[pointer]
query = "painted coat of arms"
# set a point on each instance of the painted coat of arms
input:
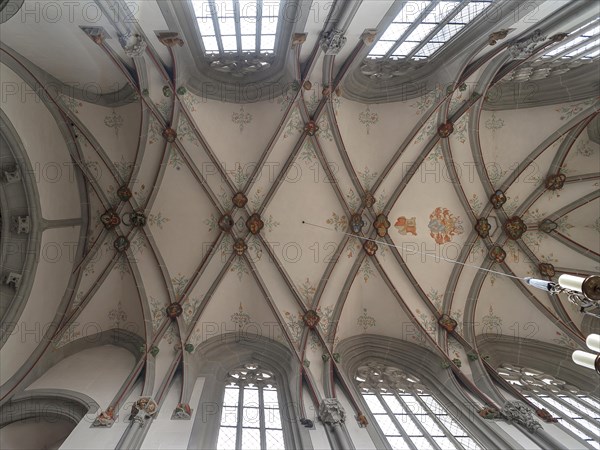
(405, 225)
(443, 225)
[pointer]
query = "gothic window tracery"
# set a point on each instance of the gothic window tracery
(250, 417)
(575, 410)
(423, 27)
(407, 414)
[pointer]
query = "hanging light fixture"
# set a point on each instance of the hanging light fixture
(583, 292)
(589, 360)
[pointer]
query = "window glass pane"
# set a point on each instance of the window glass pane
(454, 428)
(412, 403)
(423, 444)
(229, 43)
(430, 425)
(274, 439)
(250, 438)
(248, 25)
(429, 48)
(267, 42)
(468, 443)
(397, 443)
(270, 8)
(581, 406)
(440, 11)
(470, 11)
(432, 404)
(226, 439)
(227, 25)
(394, 31)
(206, 26)
(381, 48)
(405, 48)
(393, 404)
(229, 415)
(421, 32)
(251, 417)
(248, 8)
(374, 404)
(444, 443)
(269, 25)
(409, 426)
(592, 428)
(272, 418)
(210, 43)
(224, 8)
(270, 398)
(446, 32)
(573, 429)
(251, 397)
(387, 425)
(232, 396)
(590, 400)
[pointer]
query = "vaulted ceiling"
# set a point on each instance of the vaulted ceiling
(312, 144)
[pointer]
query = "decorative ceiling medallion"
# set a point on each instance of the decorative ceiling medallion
(169, 134)
(254, 224)
(134, 219)
(514, 228)
(333, 41)
(381, 224)
(483, 227)
(170, 39)
(307, 85)
(167, 91)
(226, 223)
(182, 412)
(174, 310)
(240, 65)
(546, 270)
(356, 223)
(124, 193)
(311, 128)
(110, 219)
(239, 247)
(369, 200)
(555, 182)
(105, 418)
(547, 226)
(145, 405)
(498, 254)
(368, 36)
(239, 200)
(121, 244)
(443, 225)
(445, 129)
(447, 323)
(311, 319)
(370, 248)
(498, 199)
(498, 36)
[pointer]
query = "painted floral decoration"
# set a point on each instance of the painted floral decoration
(443, 225)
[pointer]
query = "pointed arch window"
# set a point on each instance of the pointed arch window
(423, 27)
(575, 410)
(250, 417)
(406, 413)
(242, 27)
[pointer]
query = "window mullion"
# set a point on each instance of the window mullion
(560, 414)
(579, 33)
(261, 412)
(417, 421)
(258, 24)
(439, 423)
(396, 422)
(435, 31)
(238, 434)
(572, 408)
(213, 13)
(570, 49)
(582, 53)
(238, 26)
(411, 28)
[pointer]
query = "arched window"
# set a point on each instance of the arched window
(422, 27)
(237, 26)
(406, 413)
(574, 409)
(250, 417)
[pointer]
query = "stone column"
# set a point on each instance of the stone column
(142, 413)
(332, 414)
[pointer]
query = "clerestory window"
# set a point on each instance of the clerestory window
(248, 27)
(250, 417)
(423, 27)
(575, 410)
(406, 413)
